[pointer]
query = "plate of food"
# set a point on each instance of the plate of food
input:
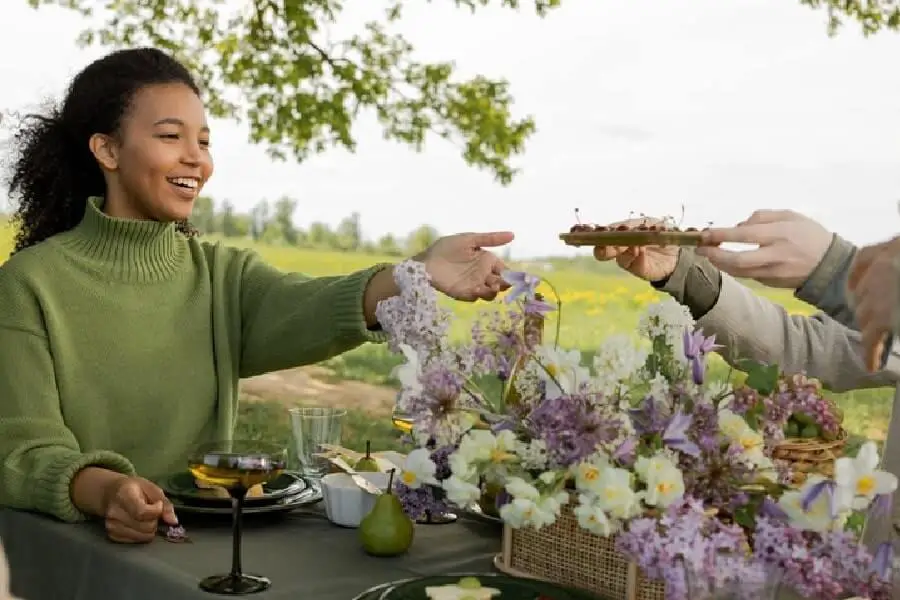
(311, 494)
(482, 586)
(188, 491)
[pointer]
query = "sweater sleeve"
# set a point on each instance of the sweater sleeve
(39, 455)
(826, 286)
(755, 328)
(290, 319)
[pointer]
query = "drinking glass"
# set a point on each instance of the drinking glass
(738, 579)
(313, 427)
(236, 465)
(401, 421)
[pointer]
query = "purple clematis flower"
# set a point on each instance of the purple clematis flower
(533, 306)
(675, 435)
(771, 509)
(523, 284)
(881, 506)
(696, 347)
(826, 486)
(883, 561)
(625, 452)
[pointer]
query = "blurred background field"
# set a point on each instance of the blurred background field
(597, 300)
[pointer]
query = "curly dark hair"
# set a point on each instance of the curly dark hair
(53, 171)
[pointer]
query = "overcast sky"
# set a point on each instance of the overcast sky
(722, 107)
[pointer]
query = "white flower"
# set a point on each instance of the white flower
(731, 424)
(492, 454)
(591, 517)
(819, 517)
(663, 317)
(460, 491)
(659, 387)
(561, 370)
(859, 480)
(528, 507)
(418, 469)
(461, 467)
(532, 455)
(665, 482)
(617, 361)
(616, 495)
(738, 431)
(587, 473)
(409, 374)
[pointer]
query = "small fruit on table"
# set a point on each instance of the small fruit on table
(367, 464)
(386, 530)
(468, 588)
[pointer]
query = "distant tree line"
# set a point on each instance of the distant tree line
(272, 223)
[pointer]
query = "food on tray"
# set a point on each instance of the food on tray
(643, 231)
(216, 491)
(467, 588)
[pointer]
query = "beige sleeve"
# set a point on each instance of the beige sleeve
(753, 327)
(5, 594)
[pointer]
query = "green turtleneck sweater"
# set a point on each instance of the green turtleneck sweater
(122, 342)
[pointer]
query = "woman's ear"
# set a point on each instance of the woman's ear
(104, 149)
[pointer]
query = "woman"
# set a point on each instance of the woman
(122, 337)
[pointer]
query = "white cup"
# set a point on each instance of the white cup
(347, 504)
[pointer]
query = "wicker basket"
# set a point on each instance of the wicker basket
(806, 457)
(566, 554)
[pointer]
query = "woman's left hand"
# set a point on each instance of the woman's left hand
(461, 268)
(874, 286)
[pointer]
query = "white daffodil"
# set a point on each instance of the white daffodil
(418, 469)
(560, 370)
(812, 511)
(665, 482)
(731, 424)
(859, 480)
(587, 473)
(591, 517)
(616, 495)
(528, 507)
(409, 374)
(460, 491)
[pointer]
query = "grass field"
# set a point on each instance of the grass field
(595, 304)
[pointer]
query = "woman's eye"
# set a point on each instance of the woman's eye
(168, 136)
(204, 143)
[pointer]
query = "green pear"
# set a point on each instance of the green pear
(386, 530)
(367, 464)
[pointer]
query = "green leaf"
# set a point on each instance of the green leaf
(760, 377)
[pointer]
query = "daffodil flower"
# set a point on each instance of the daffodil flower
(419, 469)
(858, 479)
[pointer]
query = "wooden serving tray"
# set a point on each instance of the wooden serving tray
(632, 238)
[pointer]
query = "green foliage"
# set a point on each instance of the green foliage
(270, 63)
(760, 377)
(872, 15)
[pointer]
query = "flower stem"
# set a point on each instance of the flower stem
(558, 310)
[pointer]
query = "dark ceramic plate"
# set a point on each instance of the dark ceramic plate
(310, 495)
(511, 588)
(181, 487)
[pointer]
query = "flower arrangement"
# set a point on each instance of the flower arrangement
(638, 443)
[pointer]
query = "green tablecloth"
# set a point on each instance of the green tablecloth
(306, 557)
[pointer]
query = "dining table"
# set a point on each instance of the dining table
(305, 556)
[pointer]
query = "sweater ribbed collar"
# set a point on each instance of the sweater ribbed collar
(128, 249)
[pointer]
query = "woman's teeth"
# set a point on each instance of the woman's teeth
(185, 182)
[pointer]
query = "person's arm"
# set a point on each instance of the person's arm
(40, 459)
(290, 319)
(694, 283)
(826, 286)
(751, 327)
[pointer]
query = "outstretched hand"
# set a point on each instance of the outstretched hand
(461, 268)
(791, 246)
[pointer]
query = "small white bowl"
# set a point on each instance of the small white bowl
(346, 504)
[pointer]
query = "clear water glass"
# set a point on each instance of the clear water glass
(312, 428)
(757, 581)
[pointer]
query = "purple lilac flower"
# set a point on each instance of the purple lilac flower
(685, 539)
(572, 428)
(824, 566)
(427, 499)
(649, 417)
(413, 317)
